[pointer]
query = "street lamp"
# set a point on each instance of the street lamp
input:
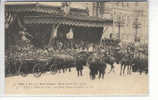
(136, 25)
(119, 23)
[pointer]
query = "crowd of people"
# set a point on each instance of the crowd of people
(28, 50)
(20, 53)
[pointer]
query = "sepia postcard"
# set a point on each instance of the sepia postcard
(76, 48)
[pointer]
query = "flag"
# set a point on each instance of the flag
(55, 31)
(104, 35)
(106, 32)
(69, 35)
(9, 18)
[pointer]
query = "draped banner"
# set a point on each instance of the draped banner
(70, 34)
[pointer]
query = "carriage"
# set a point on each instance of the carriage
(25, 66)
(38, 65)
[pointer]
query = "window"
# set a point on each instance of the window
(99, 8)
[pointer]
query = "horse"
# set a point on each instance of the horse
(80, 61)
(60, 62)
(109, 59)
(140, 65)
(126, 63)
(96, 65)
(13, 65)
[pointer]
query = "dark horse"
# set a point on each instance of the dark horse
(125, 59)
(96, 65)
(140, 65)
(126, 64)
(109, 59)
(80, 61)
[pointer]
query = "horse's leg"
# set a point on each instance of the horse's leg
(69, 69)
(128, 69)
(93, 73)
(81, 68)
(63, 69)
(99, 74)
(103, 72)
(93, 76)
(110, 69)
(16, 67)
(140, 71)
(59, 69)
(19, 70)
(121, 69)
(131, 69)
(13, 69)
(8, 69)
(113, 68)
(78, 73)
(124, 68)
(81, 72)
(66, 69)
(90, 74)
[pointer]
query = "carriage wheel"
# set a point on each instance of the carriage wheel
(36, 70)
(53, 69)
(23, 74)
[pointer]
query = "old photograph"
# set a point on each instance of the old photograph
(76, 48)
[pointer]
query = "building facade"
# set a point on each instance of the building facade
(50, 22)
(130, 20)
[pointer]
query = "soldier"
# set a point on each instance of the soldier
(59, 45)
(90, 49)
(25, 36)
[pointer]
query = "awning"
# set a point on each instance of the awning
(46, 14)
(68, 20)
(34, 7)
